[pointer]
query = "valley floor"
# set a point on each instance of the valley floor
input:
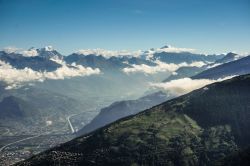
(16, 148)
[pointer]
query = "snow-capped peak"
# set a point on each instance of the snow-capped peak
(48, 48)
(46, 51)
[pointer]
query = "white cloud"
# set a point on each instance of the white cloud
(109, 53)
(239, 56)
(174, 73)
(160, 67)
(174, 49)
(29, 53)
(196, 64)
(17, 77)
(185, 85)
(169, 49)
(11, 49)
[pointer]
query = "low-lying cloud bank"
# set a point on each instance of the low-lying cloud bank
(17, 77)
(105, 53)
(160, 67)
(138, 53)
(109, 53)
(169, 49)
(11, 49)
(172, 49)
(185, 85)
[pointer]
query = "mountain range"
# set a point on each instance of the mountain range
(40, 59)
(183, 72)
(36, 63)
(112, 81)
(188, 57)
(106, 64)
(227, 58)
(16, 108)
(198, 128)
(29, 108)
(237, 67)
(122, 109)
(59, 89)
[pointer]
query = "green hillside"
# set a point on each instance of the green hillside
(199, 128)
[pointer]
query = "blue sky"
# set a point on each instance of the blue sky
(211, 26)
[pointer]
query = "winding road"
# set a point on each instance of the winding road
(5, 146)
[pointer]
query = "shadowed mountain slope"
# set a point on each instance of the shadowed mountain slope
(238, 67)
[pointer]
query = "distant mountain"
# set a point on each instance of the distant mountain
(29, 107)
(95, 61)
(135, 61)
(165, 54)
(198, 128)
(180, 57)
(223, 69)
(169, 54)
(228, 58)
(49, 52)
(122, 109)
(111, 63)
(238, 67)
(14, 107)
(36, 63)
(183, 72)
(41, 59)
